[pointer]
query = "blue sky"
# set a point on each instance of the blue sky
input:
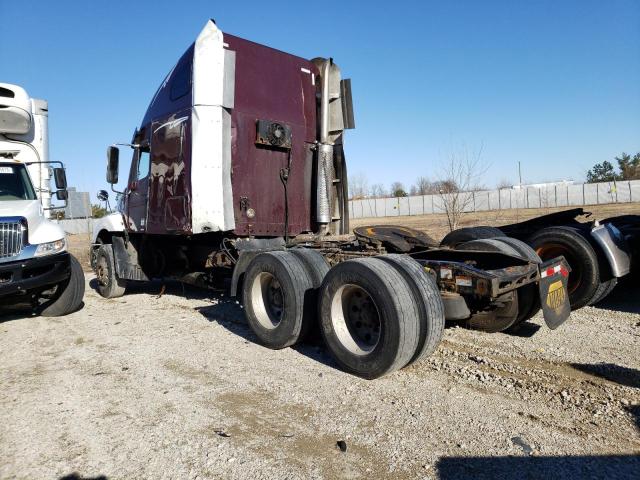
(553, 84)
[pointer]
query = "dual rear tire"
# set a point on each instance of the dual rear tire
(516, 307)
(376, 315)
(277, 297)
(590, 280)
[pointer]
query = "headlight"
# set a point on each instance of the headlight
(51, 247)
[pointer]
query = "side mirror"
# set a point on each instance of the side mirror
(60, 178)
(113, 157)
(62, 195)
(103, 195)
(347, 104)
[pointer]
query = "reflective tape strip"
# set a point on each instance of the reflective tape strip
(553, 270)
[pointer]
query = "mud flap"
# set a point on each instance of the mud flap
(126, 261)
(554, 296)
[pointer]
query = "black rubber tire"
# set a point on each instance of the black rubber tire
(397, 312)
(69, 295)
(528, 296)
(525, 251)
(295, 286)
(578, 253)
(466, 234)
(604, 289)
(93, 253)
(509, 315)
(430, 307)
(489, 245)
(110, 286)
(504, 318)
(315, 264)
(317, 267)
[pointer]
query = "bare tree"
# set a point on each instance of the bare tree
(423, 186)
(458, 181)
(358, 186)
(504, 183)
(378, 190)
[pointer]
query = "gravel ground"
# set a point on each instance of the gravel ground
(174, 386)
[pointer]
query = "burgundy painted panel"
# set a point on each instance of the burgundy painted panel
(175, 92)
(169, 179)
(271, 85)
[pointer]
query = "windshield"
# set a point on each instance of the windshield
(15, 183)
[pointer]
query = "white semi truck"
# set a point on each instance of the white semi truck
(35, 267)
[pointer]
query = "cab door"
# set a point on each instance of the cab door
(138, 191)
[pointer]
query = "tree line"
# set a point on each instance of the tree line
(359, 188)
(628, 168)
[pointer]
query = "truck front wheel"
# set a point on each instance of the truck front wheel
(109, 285)
(68, 294)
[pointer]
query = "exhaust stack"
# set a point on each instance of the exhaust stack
(336, 115)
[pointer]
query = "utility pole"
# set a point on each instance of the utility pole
(520, 173)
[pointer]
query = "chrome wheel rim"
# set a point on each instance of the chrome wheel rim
(102, 271)
(355, 319)
(267, 300)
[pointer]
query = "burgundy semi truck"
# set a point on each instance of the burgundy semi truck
(238, 173)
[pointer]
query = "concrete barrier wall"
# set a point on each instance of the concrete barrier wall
(504, 199)
(76, 226)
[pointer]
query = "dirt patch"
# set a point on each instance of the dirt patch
(176, 387)
(436, 224)
(78, 246)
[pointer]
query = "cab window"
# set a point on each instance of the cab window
(15, 183)
(181, 81)
(143, 164)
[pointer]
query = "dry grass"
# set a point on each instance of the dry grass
(436, 224)
(79, 248)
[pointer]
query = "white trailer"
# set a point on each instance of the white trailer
(35, 266)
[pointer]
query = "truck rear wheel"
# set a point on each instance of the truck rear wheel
(604, 289)
(506, 311)
(429, 303)
(466, 234)
(368, 317)
(109, 285)
(68, 295)
(584, 278)
(315, 264)
(528, 297)
(498, 319)
(275, 296)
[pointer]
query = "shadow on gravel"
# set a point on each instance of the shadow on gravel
(16, 313)
(229, 314)
(634, 410)
(524, 330)
(623, 298)
(75, 476)
(628, 377)
(519, 468)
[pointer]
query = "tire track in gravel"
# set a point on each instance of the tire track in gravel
(577, 402)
